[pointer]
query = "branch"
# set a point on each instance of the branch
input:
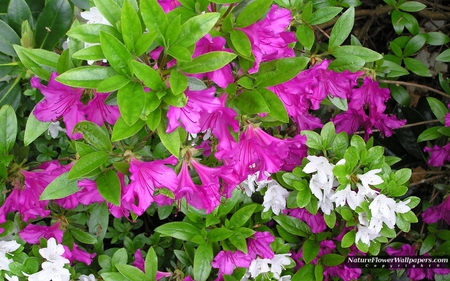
(414, 85)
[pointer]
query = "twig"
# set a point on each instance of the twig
(402, 127)
(427, 180)
(414, 85)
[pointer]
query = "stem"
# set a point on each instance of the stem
(228, 11)
(402, 127)
(414, 85)
(427, 180)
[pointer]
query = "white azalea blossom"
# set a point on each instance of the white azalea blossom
(94, 16)
(89, 277)
(54, 271)
(402, 207)
(259, 266)
(251, 182)
(321, 165)
(349, 196)
(275, 198)
(54, 129)
(11, 278)
(370, 178)
(53, 252)
(365, 234)
(323, 192)
(7, 247)
(278, 263)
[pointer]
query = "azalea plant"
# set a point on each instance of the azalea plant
(219, 140)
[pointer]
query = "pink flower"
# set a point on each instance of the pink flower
(140, 264)
(352, 120)
(209, 190)
(297, 151)
(223, 76)
(32, 234)
(145, 177)
(227, 261)
(385, 123)
(436, 213)
(370, 95)
(259, 245)
(60, 101)
(316, 222)
(78, 254)
(98, 112)
(269, 38)
(168, 5)
(439, 155)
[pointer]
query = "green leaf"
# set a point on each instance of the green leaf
(332, 259)
(87, 164)
(414, 45)
(251, 102)
(60, 187)
(342, 28)
(64, 62)
(412, 6)
(109, 187)
(310, 249)
(94, 53)
(318, 272)
(144, 42)
(90, 33)
(53, 23)
(94, 135)
(428, 244)
(437, 38)
(444, 56)
(8, 129)
(323, 15)
(170, 140)
(151, 264)
(306, 272)
(207, 62)
(148, 75)
(179, 230)
(40, 62)
(340, 144)
(154, 17)
(83, 236)
(132, 273)
(115, 52)
(8, 37)
(195, 28)
(303, 197)
(178, 82)
(438, 108)
(277, 109)
(339, 103)
(180, 53)
(153, 119)
(347, 62)
(119, 257)
(34, 129)
(112, 276)
(313, 139)
(239, 241)
(219, 234)
(305, 35)
(18, 12)
(364, 53)
(122, 130)
(328, 133)
(112, 84)
(278, 71)
(348, 239)
(293, 225)
(400, 95)
(130, 100)
(173, 30)
(242, 215)
(252, 12)
(131, 26)
(86, 76)
(202, 261)
(330, 219)
(109, 9)
(373, 154)
(402, 176)
(241, 42)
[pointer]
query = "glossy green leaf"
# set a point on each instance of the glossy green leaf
(109, 9)
(40, 62)
(86, 76)
(348, 239)
(171, 141)
(154, 17)
(94, 135)
(34, 129)
(144, 42)
(339, 103)
(8, 130)
(10, 94)
(323, 15)
(415, 44)
(400, 95)
(122, 130)
(148, 75)
(180, 53)
(173, 31)
(60, 187)
(241, 42)
(64, 62)
(342, 28)
(115, 52)
(180, 230)
(219, 234)
(90, 33)
(109, 187)
(305, 35)
(112, 83)
(207, 62)
(444, 56)
(151, 264)
(131, 26)
(18, 11)
(347, 62)
(364, 53)
(430, 134)
(277, 109)
(130, 100)
(83, 236)
(251, 102)
(438, 108)
(178, 82)
(306, 272)
(417, 67)
(8, 37)
(412, 6)
(293, 225)
(278, 71)
(87, 164)
(437, 38)
(94, 53)
(202, 261)
(310, 249)
(252, 12)
(242, 215)
(332, 259)
(195, 28)
(153, 119)
(132, 273)
(394, 70)
(428, 244)
(53, 23)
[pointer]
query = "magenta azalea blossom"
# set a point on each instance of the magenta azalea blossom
(168, 5)
(33, 233)
(436, 213)
(370, 95)
(259, 245)
(439, 155)
(210, 185)
(269, 38)
(223, 76)
(78, 255)
(98, 112)
(60, 101)
(227, 261)
(146, 177)
(316, 222)
(139, 263)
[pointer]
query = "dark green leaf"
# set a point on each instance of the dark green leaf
(109, 186)
(438, 108)
(412, 6)
(310, 249)
(364, 53)
(130, 100)
(34, 129)
(305, 35)
(87, 164)
(323, 15)
(252, 12)
(400, 95)
(277, 109)
(86, 76)
(348, 239)
(332, 259)
(122, 130)
(219, 234)
(132, 273)
(179, 230)
(342, 28)
(148, 75)
(444, 56)
(60, 187)
(430, 134)
(251, 102)
(207, 62)
(306, 272)
(83, 236)
(18, 11)
(53, 23)
(109, 9)
(202, 261)
(278, 71)
(8, 129)
(293, 225)
(415, 44)
(347, 62)
(242, 215)
(131, 26)
(112, 83)
(241, 42)
(94, 135)
(437, 38)
(428, 244)
(8, 37)
(90, 33)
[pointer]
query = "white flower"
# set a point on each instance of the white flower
(94, 16)
(323, 192)
(54, 271)
(53, 252)
(7, 247)
(54, 129)
(371, 178)
(277, 264)
(83, 277)
(402, 207)
(285, 278)
(251, 181)
(11, 278)
(259, 266)
(352, 198)
(383, 208)
(275, 198)
(321, 165)
(365, 234)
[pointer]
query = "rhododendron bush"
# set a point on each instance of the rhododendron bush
(221, 140)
